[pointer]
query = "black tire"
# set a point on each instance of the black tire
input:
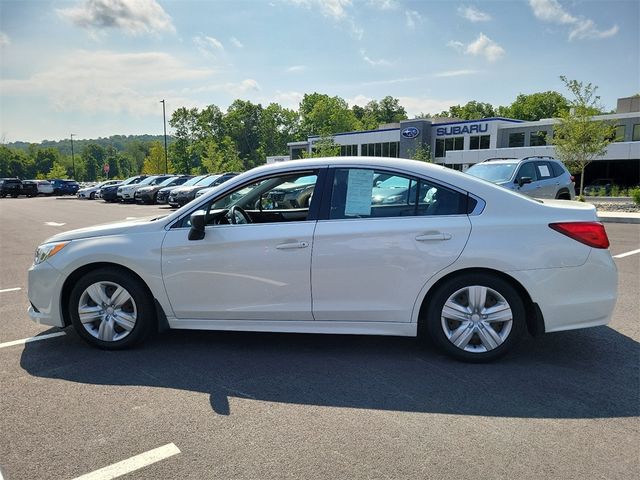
(144, 307)
(563, 195)
(14, 195)
(434, 323)
(92, 196)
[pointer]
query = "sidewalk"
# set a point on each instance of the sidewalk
(619, 217)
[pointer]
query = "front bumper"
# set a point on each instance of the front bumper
(44, 289)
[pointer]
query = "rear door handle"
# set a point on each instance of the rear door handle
(290, 245)
(433, 236)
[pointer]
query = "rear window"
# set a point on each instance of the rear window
(493, 172)
(557, 169)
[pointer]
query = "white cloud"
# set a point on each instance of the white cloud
(105, 81)
(288, 99)
(384, 4)
(580, 28)
(473, 14)
(236, 43)
(296, 68)
(482, 46)
(134, 17)
(454, 73)
(360, 100)
(334, 10)
(208, 45)
(376, 63)
(4, 39)
(417, 105)
(413, 18)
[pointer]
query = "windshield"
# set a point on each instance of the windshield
(147, 181)
(131, 180)
(208, 181)
(193, 181)
(167, 182)
(496, 172)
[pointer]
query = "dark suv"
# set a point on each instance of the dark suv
(10, 186)
(540, 177)
(64, 187)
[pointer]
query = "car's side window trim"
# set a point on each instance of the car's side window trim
(327, 194)
(313, 207)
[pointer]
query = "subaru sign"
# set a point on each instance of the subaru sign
(461, 129)
(410, 132)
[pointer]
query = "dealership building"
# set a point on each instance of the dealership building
(460, 144)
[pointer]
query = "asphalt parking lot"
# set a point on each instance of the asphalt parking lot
(261, 406)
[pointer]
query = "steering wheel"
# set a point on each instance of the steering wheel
(234, 219)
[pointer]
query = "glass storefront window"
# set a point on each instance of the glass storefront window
(479, 142)
(516, 140)
(537, 139)
(636, 132)
(619, 133)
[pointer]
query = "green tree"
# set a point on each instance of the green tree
(184, 156)
(57, 171)
(154, 163)
(93, 158)
(578, 138)
(323, 115)
(387, 110)
(242, 125)
(222, 157)
(472, 110)
(422, 153)
(536, 106)
(278, 126)
(324, 147)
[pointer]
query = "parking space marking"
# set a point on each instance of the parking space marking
(10, 289)
(54, 224)
(31, 339)
(626, 254)
(132, 464)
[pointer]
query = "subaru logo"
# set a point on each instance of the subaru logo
(410, 132)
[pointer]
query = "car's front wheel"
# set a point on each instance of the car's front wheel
(475, 317)
(110, 310)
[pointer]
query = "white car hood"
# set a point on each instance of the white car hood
(117, 228)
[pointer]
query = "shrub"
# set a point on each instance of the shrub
(615, 191)
(635, 194)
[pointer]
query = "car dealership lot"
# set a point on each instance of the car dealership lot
(245, 405)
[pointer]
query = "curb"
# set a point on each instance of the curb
(613, 217)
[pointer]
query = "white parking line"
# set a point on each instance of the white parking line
(31, 339)
(54, 224)
(626, 254)
(10, 289)
(132, 464)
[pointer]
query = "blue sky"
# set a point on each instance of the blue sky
(100, 67)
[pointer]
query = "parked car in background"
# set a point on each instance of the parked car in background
(540, 177)
(183, 195)
(163, 193)
(599, 185)
(64, 187)
(127, 192)
(10, 186)
(29, 188)
(148, 193)
(109, 193)
(129, 181)
(44, 187)
(91, 191)
(465, 262)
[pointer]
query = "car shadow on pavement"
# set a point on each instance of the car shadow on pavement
(593, 373)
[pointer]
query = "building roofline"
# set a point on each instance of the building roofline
(489, 119)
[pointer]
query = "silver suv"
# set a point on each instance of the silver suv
(541, 177)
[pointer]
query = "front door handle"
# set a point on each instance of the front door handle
(290, 245)
(433, 236)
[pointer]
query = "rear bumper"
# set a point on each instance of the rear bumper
(574, 297)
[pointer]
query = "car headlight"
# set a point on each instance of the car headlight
(48, 250)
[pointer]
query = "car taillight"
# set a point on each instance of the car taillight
(592, 234)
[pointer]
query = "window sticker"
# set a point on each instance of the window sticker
(359, 192)
(544, 171)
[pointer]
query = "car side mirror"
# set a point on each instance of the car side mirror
(524, 180)
(198, 222)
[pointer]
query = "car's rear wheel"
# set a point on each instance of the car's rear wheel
(110, 310)
(475, 317)
(92, 196)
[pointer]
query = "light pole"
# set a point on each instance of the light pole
(73, 158)
(166, 158)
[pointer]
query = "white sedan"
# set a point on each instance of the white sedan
(92, 191)
(381, 246)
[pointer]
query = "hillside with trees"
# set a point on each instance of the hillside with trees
(209, 139)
